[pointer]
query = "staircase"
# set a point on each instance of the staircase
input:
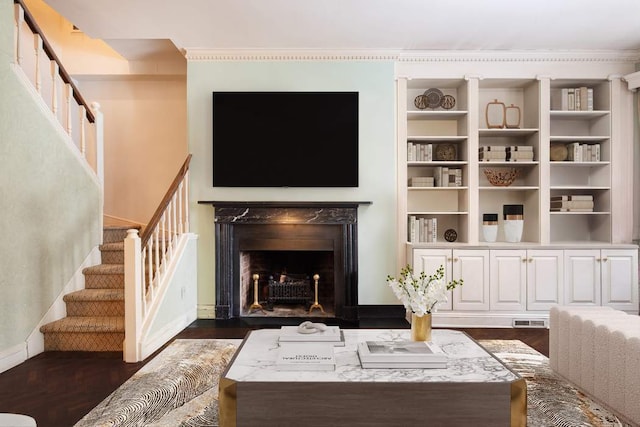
(95, 315)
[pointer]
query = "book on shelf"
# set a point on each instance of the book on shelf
(493, 148)
(331, 334)
(572, 204)
(565, 197)
(422, 230)
(577, 152)
(571, 209)
(419, 152)
(401, 354)
(421, 181)
(572, 99)
(520, 148)
(296, 356)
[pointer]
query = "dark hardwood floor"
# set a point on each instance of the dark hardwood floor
(59, 388)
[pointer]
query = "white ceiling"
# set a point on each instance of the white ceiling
(403, 25)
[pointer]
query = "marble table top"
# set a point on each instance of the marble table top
(467, 361)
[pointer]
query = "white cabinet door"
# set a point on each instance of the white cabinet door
(582, 277)
(429, 260)
(473, 267)
(620, 279)
(544, 278)
(508, 284)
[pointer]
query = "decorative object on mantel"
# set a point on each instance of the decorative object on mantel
(501, 177)
(421, 294)
(495, 114)
(512, 117)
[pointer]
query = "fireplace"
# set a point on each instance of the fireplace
(270, 255)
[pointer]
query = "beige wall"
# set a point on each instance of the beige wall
(145, 140)
(50, 203)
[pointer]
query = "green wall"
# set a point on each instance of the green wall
(376, 223)
(50, 204)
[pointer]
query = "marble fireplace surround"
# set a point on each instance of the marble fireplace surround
(238, 225)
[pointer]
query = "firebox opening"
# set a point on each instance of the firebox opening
(285, 286)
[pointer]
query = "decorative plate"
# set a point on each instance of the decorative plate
(448, 102)
(420, 102)
(450, 235)
(434, 96)
(446, 152)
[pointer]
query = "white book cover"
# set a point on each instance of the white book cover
(400, 352)
(401, 365)
(291, 334)
(306, 357)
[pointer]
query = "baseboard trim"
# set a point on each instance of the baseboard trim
(13, 356)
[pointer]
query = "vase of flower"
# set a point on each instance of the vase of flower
(420, 294)
(421, 327)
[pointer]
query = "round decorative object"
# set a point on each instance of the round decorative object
(420, 102)
(446, 152)
(450, 235)
(558, 152)
(434, 96)
(448, 102)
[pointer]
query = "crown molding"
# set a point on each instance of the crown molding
(199, 54)
(289, 55)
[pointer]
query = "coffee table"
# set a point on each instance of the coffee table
(475, 389)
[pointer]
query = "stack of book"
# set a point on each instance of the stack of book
(421, 181)
(447, 177)
(327, 334)
(417, 152)
(577, 152)
(401, 354)
(492, 153)
(572, 203)
(422, 230)
(317, 356)
(572, 99)
(519, 153)
(509, 153)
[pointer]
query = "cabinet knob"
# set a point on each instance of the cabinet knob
(524, 260)
(598, 260)
(604, 259)
(449, 259)
(530, 259)
(455, 259)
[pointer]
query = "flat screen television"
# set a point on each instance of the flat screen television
(285, 139)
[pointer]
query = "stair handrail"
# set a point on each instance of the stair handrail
(87, 112)
(147, 256)
(157, 215)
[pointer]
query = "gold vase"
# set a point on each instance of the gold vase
(421, 327)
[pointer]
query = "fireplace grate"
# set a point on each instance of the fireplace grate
(290, 290)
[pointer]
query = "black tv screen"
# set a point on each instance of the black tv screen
(285, 139)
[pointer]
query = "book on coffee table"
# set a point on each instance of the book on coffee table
(401, 354)
(306, 357)
(331, 334)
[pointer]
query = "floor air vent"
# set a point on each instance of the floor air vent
(529, 323)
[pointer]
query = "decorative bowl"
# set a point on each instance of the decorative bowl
(501, 177)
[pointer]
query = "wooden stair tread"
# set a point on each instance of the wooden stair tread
(108, 324)
(115, 294)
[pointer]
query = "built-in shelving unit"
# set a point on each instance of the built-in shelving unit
(574, 256)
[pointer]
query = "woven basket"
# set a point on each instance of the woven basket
(501, 177)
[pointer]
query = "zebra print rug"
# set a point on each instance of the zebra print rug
(179, 387)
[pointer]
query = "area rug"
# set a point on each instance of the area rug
(179, 387)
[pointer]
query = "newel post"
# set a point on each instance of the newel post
(133, 297)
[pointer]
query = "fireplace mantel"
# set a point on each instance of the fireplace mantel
(238, 222)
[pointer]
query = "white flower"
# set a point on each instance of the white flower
(421, 293)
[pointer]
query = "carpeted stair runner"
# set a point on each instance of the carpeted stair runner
(95, 315)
